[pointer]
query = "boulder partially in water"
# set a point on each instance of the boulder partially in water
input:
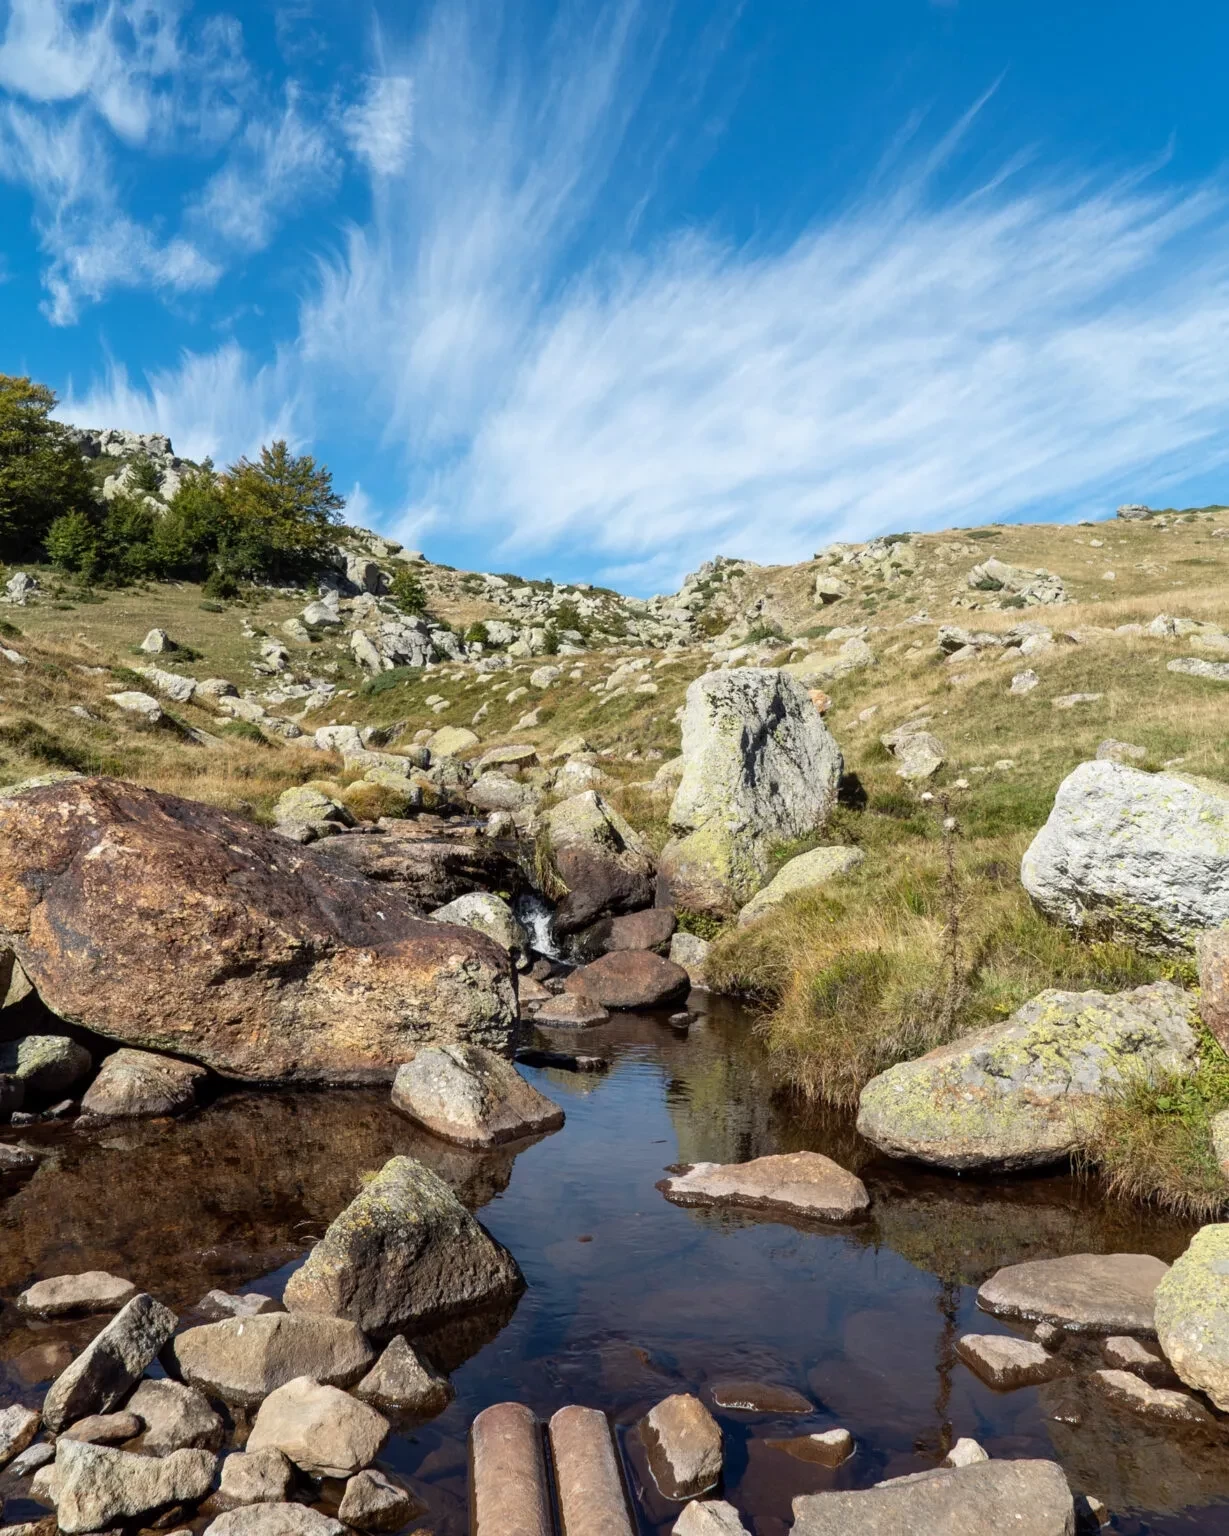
(404, 1254)
(684, 1446)
(1192, 1314)
(1021, 1094)
(134, 1084)
(471, 1096)
(402, 1381)
(177, 927)
(1028, 1498)
(630, 978)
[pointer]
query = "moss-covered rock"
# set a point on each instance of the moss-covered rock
(759, 768)
(405, 1253)
(805, 873)
(1021, 1094)
(1192, 1314)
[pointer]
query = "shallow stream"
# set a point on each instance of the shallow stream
(631, 1298)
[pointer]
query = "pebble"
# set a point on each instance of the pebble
(965, 1453)
(684, 1446)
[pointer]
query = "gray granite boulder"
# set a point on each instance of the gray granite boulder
(1024, 1093)
(405, 1253)
(1138, 857)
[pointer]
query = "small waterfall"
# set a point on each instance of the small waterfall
(538, 916)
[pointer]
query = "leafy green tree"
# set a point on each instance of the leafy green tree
(42, 473)
(282, 514)
(408, 592)
(72, 544)
(194, 527)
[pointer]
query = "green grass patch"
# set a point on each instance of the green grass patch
(1153, 1141)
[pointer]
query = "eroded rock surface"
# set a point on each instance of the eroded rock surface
(177, 927)
(405, 1253)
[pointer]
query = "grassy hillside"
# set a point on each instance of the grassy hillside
(848, 981)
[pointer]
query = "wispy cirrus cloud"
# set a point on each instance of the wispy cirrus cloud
(277, 164)
(216, 405)
(379, 127)
(538, 375)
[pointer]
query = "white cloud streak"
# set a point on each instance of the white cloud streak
(379, 128)
(278, 164)
(559, 390)
(215, 405)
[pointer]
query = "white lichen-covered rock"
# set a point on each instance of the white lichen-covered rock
(1192, 1314)
(489, 914)
(1139, 857)
(1021, 1094)
(759, 768)
(807, 872)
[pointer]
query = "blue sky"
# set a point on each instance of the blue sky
(599, 288)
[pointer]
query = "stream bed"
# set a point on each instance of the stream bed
(631, 1298)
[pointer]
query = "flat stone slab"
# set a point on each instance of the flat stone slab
(1027, 1498)
(759, 1397)
(1083, 1292)
(1170, 1406)
(804, 1184)
(1123, 1353)
(1007, 1363)
(63, 1295)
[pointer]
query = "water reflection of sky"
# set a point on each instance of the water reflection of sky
(629, 1297)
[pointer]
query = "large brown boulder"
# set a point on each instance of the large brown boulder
(178, 927)
(430, 864)
(602, 865)
(631, 978)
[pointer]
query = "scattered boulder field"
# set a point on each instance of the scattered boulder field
(426, 909)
